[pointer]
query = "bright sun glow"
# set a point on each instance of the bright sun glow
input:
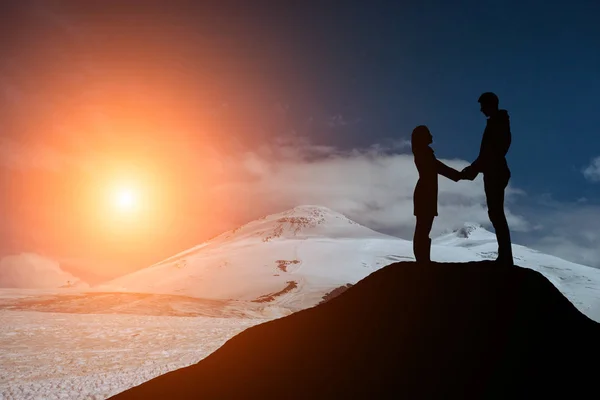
(125, 199)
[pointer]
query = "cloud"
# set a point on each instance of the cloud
(30, 270)
(568, 230)
(592, 171)
(339, 120)
(373, 186)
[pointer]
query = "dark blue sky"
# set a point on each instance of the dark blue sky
(395, 65)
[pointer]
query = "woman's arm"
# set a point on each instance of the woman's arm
(447, 171)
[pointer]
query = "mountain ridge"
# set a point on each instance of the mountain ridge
(463, 330)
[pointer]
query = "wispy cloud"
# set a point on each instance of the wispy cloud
(592, 171)
(564, 229)
(339, 120)
(376, 188)
(571, 232)
(373, 185)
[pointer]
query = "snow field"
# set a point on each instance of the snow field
(85, 356)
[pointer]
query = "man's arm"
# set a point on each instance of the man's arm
(494, 144)
(484, 155)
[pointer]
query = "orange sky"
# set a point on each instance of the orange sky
(105, 99)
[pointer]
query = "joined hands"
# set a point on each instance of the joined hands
(468, 173)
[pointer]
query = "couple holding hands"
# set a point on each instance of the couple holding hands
(491, 162)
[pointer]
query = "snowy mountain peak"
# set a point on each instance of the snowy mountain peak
(467, 234)
(312, 212)
(308, 208)
(299, 222)
(468, 229)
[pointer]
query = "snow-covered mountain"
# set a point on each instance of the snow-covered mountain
(290, 259)
(294, 258)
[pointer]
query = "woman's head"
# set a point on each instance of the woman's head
(421, 137)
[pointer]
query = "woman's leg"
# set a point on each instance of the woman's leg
(421, 240)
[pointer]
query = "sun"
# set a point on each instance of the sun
(125, 199)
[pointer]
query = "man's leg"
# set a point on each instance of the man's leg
(421, 240)
(494, 192)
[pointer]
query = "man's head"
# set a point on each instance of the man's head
(489, 103)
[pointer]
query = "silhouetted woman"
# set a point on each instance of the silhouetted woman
(426, 191)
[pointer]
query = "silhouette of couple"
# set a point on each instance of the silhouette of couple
(491, 162)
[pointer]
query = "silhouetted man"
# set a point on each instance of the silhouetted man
(491, 162)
